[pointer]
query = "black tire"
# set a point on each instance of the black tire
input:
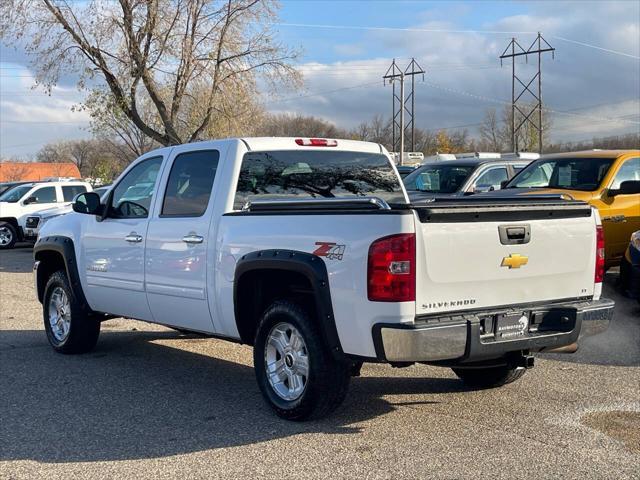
(84, 328)
(489, 377)
(328, 379)
(9, 233)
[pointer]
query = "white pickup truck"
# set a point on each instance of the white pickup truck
(28, 199)
(309, 250)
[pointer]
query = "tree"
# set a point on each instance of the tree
(527, 135)
(290, 125)
(491, 131)
(183, 58)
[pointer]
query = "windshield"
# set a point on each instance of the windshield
(14, 194)
(294, 174)
(438, 178)
(584, 174)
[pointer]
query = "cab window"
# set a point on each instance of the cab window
(43, 195)
(132, 196)
(189, 185)
(630, 170)
(493, 177)
(70, 191)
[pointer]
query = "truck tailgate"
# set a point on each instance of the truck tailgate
(480, 254)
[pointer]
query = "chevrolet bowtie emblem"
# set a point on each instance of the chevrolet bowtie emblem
(514, 260)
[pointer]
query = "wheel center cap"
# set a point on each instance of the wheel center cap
(288, 360)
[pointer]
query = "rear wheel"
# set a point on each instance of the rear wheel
(8, 235)
(489, 377)
(295, 371)
(69, 327)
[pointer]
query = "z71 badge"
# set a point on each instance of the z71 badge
(330, 250)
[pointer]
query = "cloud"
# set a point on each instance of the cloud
(464, 75)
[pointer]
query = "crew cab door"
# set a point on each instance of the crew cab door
(112, 250)
(178, 245)
(40, 198)
(620, 213)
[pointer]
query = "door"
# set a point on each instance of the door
(621, 214)
(113, 249)
(40, 198)
(178, 242)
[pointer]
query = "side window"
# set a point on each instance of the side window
(45, 195)
(493, 177)
(132, 196)
(189, 185)
(70, 191)
(630, 170)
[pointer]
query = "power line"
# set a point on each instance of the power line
(443, 30)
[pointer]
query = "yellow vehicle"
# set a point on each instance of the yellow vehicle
(607, 179)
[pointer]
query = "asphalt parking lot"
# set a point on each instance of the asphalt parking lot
(152, 403)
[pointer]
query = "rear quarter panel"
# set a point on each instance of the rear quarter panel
(354, 313)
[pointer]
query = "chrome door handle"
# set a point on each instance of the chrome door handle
(192, 238)
(133, 238)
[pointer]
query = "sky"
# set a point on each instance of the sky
(592, 86)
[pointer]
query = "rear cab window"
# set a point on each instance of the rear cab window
(70, 191)
(441, 178)
(294, 174)
(584, 174)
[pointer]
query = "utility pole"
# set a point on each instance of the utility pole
(400, 109)
(513, 50)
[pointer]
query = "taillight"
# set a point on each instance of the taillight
(316, 142)
(599, 275)
(391, 269)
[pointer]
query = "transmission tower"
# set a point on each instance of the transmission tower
(396, 75)
(513, 50)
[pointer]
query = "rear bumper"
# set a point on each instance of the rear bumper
(464, 338)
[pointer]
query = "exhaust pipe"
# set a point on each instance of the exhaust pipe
(572, 348)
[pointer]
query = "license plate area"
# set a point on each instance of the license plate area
(511, 325)
(505, 326)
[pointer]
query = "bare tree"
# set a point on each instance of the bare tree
(288, 125)
(491, 131)
(156, 51)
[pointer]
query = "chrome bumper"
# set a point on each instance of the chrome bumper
(458, 337)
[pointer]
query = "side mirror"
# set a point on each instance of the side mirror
(88, 202)
(30, 200)
(630, 187)
(503, 184)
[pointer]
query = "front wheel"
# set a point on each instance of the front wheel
(295, 370)
(489, 377)
(70, 328)
(8, 235)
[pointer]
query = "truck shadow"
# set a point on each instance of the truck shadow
(135, 398)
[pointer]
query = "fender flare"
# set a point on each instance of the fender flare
(65, 248)
(313, 268)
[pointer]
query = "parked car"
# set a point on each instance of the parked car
(308, 250)
(5, 186)
(21, 201)
(34, 222)
(456, 178)
(630, 268)
(607, 179)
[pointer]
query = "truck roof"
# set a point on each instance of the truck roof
(592, 154)
(289, 143)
